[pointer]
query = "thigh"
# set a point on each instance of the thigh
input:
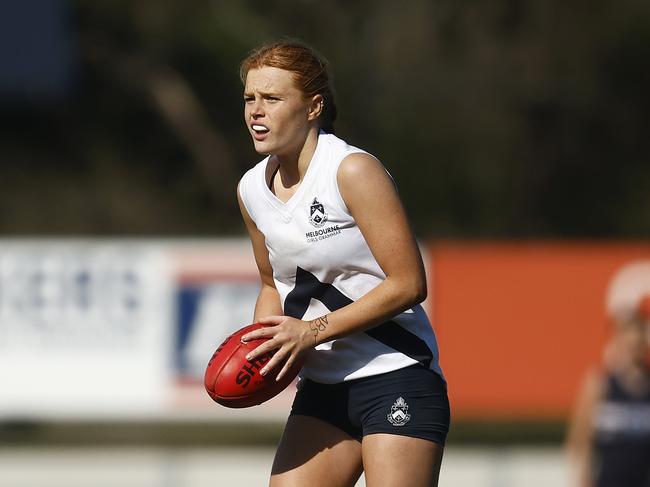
(409, 402)
(315, 453)
(392, 460)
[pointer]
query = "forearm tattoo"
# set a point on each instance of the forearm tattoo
(318, 325)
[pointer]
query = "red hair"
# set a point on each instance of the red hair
(309, 70)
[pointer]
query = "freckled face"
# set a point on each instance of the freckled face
(276, 112)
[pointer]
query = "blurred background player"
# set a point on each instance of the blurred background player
(609, 435)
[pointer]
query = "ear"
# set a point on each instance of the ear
(315, 107)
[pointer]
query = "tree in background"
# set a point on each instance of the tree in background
(497, 119)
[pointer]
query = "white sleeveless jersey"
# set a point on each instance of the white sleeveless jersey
(321, 262)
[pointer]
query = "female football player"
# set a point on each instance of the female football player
(342, 282)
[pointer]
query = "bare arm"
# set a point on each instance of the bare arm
(580, 433)
(268, 300)
(372, 199)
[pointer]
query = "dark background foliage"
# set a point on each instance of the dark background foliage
(501, 119)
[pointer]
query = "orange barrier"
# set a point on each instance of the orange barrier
(518, 324)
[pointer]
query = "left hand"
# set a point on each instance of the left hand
(290, 337)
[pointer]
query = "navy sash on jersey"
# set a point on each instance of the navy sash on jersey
(391, 334)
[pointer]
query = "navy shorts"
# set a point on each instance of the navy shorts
(410, 402)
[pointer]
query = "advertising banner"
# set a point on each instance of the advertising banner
(85, 327)
(109, 329)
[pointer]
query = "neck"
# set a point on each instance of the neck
(293, 167)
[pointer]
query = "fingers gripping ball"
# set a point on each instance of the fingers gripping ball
(235, 382)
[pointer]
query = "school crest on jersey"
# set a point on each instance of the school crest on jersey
(317, 214)
(399, 414)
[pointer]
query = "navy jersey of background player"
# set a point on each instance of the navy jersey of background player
(622, 441)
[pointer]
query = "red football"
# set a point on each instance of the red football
(235, 382)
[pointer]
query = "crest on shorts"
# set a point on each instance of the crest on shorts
(317, 215)
(399, 413)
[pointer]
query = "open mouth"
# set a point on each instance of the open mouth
(259, 129)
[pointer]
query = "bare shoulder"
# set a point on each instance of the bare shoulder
(358, 166)
(594, 383)
(242, 206)
(362, 177)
